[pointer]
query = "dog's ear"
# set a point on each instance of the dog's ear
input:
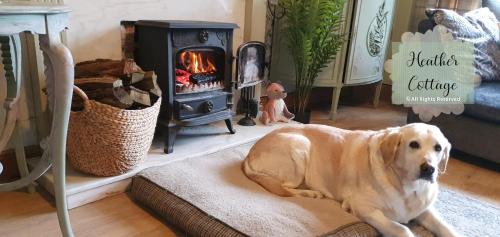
(444, 160)
(389, 146)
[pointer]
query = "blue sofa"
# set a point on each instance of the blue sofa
(476, 132)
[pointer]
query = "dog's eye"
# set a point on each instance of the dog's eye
(414, 145)
(437, 148)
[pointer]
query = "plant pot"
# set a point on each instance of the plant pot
(303, 117)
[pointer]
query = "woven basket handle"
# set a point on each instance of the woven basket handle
(82, 95)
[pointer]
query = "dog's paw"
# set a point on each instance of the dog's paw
(346, 206)
(305, 193)
(284, 120)
(313, 194)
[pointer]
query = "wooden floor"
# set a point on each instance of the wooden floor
(23, 214)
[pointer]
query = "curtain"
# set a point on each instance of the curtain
(460, 6)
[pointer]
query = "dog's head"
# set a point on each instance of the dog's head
(417, 151)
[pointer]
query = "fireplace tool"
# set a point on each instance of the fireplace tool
(249, 106)
(250, 68)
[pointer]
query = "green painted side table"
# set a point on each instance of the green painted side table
(46, 20)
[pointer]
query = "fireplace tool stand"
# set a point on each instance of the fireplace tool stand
(249, 106)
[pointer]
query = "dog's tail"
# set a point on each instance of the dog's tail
(268, 182)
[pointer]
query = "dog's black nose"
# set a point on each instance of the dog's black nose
(426, 171)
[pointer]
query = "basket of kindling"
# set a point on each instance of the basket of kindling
(104, 140)
(113, 116)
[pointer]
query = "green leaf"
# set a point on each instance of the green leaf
(311, 29)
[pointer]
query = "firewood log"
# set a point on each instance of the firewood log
(105, 67)
(92, 83)
(141, 80)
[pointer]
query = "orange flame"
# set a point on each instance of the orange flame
(196, 62)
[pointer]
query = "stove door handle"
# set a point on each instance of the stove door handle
(187, 107)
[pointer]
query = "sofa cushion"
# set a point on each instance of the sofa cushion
(486, 102)
(479, 27)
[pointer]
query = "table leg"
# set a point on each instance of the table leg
(22, 164)
(10, 57)
(59, 66)
(17, 134)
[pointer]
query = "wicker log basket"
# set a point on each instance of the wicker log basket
(105, 141)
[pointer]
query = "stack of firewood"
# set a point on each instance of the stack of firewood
(119, 83)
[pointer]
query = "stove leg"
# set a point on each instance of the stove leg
(229, 124)
(169, 138)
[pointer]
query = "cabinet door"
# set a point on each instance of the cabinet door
(369, 41)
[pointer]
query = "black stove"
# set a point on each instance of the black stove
(193, 61)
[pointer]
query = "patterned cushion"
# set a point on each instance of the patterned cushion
(479, 27)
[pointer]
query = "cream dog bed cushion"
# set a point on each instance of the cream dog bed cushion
(210, 196)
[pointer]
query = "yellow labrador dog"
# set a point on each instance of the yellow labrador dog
(384, 177)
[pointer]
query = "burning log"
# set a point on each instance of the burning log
(201, 78)
(182, 76)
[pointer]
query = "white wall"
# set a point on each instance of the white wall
(94, 30)
(255, 20)
(255, 28)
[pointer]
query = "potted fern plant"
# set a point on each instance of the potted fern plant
(311, 29)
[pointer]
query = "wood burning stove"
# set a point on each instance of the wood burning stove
(193, 61)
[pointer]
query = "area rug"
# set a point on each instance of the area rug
(469, 216)
(210, 196)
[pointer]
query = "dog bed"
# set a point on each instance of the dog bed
(210, 196)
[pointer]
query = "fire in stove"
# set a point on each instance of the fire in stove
(196, 71)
